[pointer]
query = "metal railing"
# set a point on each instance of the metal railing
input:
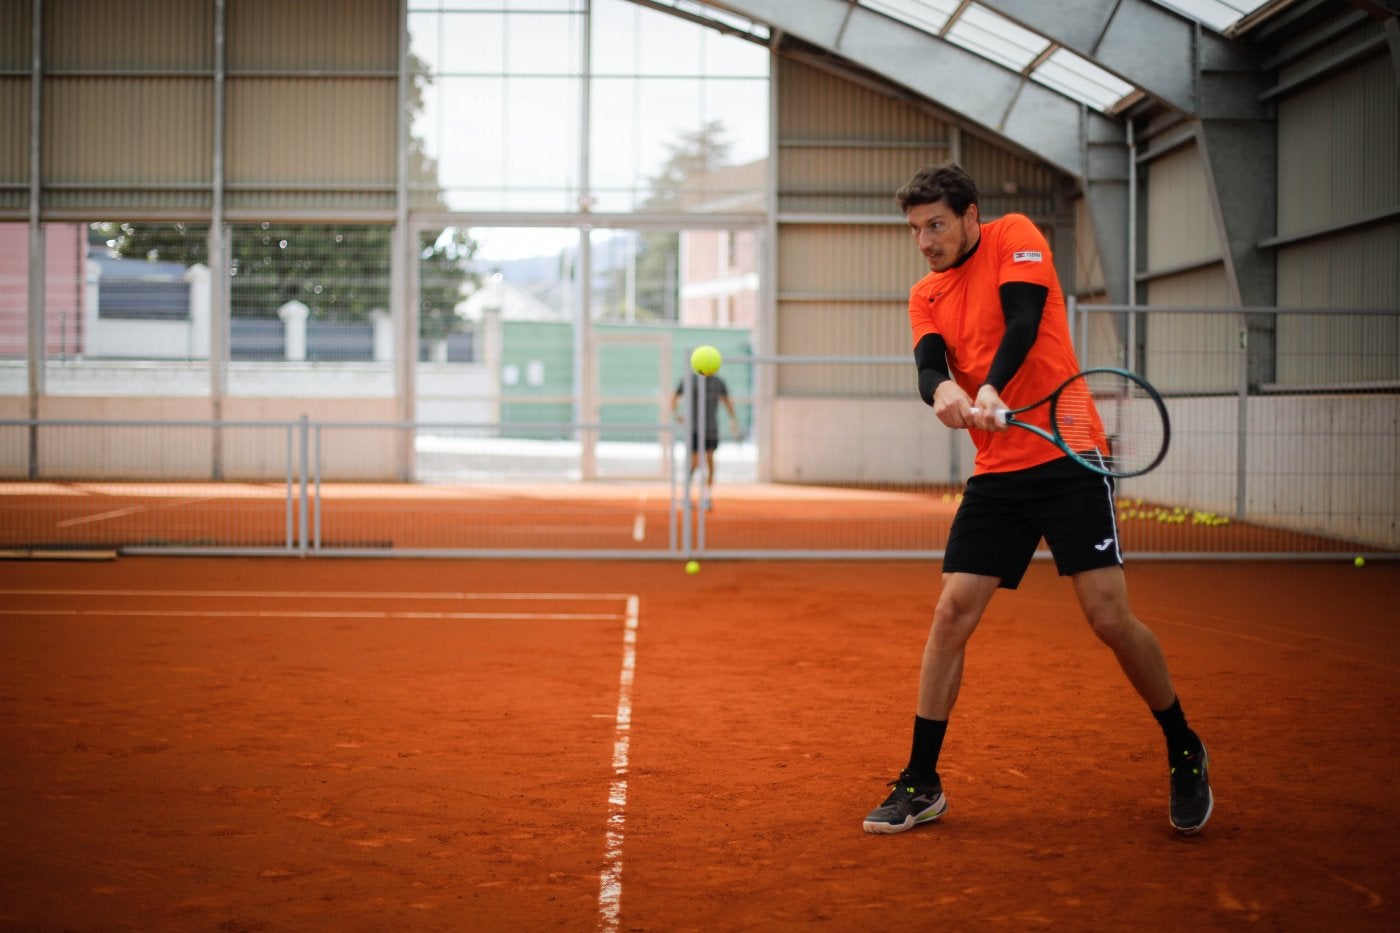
(1292, 457)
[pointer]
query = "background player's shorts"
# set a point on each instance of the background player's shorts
(1003, 516)
(711, 442)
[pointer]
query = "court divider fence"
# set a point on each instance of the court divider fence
(1286, 444)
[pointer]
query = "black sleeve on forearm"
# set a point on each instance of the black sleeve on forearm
(1022, 304)
(931, 358)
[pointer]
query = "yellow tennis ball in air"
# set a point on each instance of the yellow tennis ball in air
(692, 566)
(706, 360)
(1360, 561)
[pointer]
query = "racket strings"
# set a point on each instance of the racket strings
(1113, 419)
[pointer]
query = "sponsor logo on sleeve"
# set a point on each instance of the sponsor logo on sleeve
(1026, 255)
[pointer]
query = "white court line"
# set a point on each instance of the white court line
(309, 614)
(639, 528)
(321, 594)
(610, 882)
(132, 510)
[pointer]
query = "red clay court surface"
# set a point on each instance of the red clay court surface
(263, 744)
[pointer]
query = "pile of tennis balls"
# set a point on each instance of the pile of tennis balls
(1135, 510)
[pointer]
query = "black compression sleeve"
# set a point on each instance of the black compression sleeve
(1022, 304)
(931, 358)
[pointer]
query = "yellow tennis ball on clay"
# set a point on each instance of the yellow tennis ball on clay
(692, 566)
(706, 360)
(1360, 561)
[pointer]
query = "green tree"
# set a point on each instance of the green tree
(694, 154)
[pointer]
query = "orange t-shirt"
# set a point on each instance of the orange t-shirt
(963, 305)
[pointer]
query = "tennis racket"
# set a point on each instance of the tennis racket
(1108, 420)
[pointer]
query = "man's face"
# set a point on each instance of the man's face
(943, 236)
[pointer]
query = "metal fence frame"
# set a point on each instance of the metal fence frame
(1081, 315)
(687, 533)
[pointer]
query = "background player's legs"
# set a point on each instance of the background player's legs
(959, 609)
(1103, 595)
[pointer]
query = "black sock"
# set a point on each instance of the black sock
(928, 742)
(1179, 736)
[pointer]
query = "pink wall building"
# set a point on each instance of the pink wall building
(65, 257)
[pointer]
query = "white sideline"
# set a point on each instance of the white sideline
(610, 883)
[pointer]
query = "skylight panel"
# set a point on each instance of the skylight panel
(1081, 79)
(995, 37)
(929, 15)
(734, 21)
(1219, 15)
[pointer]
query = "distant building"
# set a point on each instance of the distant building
(719, 268)
(65, 255)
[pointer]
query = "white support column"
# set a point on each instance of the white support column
(36, 350)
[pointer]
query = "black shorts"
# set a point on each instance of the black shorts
(1003, 516)
(711, 443)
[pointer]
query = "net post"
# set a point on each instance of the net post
(1242, 422)
(302, 432)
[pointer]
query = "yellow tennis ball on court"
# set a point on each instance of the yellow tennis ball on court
(1360, 561)
(692, 566)
(706, 360)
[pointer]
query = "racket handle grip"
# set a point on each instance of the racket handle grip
(1000, 416)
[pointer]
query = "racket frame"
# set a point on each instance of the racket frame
(1007, 416)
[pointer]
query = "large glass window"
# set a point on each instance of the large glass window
(500, 87)
(678, 112)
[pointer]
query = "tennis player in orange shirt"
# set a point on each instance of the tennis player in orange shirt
(990, 332)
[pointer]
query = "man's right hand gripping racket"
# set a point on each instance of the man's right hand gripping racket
(1108, 420)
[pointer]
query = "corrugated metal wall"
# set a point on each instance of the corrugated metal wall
(313, 35)
(129, 35)
(117, 130)
(1339, 166)
(15, 32)
(845, 257)
(14, 143)
(1338, 163)
(1179, 212)
(845, 260)
(298, 137)
(127, 97)
(129, 110)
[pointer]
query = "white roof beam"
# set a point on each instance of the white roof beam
(1028, 114)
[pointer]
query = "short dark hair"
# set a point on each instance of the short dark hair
(934, 183)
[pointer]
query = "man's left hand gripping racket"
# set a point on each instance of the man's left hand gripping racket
(1108, 420)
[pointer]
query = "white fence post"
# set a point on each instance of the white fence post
(383, 335)
(198, 278)
(293, 315)
(91, 345)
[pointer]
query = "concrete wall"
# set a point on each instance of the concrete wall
(1323, 464)
(820, 440)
